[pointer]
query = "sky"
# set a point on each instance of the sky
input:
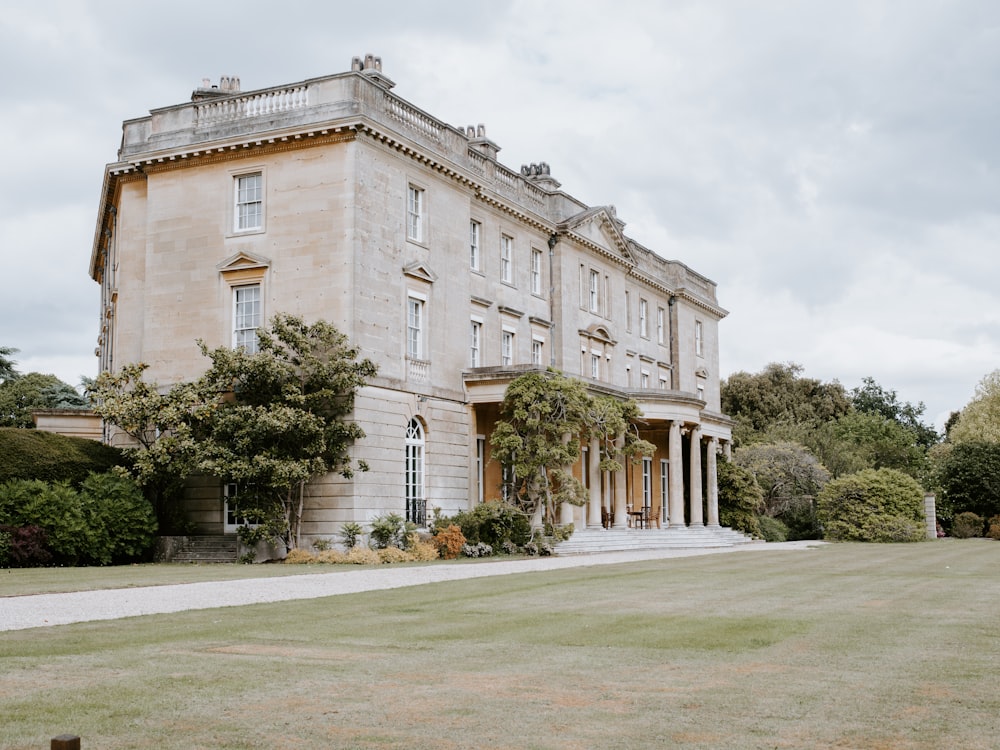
(833, 167)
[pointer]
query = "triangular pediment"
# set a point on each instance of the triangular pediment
(420, 270)
(602, 227)
(242, 261)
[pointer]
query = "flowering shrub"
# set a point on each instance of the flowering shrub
(480, 549)
(449, 541)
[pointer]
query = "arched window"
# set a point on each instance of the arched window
(416, 504)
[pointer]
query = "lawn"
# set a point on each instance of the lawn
(845, 646)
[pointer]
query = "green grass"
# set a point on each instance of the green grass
(846, 646)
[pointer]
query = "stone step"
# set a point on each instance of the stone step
(617, 540)
(202, 549)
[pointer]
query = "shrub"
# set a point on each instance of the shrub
(424, 551)
(740, 499)
(46, 456)
(363, 556)
(994, 528)
(350, 534)
(883, 505)
(322, 545)
(55, 508)
(967, 525)
(121, 519)
(332, 557)
(449, 541)
(299, 556)
(23, 547)
(479, 549)
(773, 530)
(388, 531)
(394, 555)
(493, 523)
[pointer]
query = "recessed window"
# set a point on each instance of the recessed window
(536, 271)
(595, 366)
(643, 318)
(415, 214)
(475, 258)
(414, 328)
(246, 317)
(537, 351)
(475, 343)
(594, 295)
(249, 208)
(507, 348)
(699, 338)
(506, 259)
(661, 325)
(416, 505)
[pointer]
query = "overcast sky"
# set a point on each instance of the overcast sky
(833, 166)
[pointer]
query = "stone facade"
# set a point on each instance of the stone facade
(333, 198)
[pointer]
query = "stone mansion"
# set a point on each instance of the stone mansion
(335, 199)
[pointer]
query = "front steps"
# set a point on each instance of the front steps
(217, 548)
(597, 539)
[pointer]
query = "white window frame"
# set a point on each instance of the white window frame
(699, 338)
(475, 343)
(594, 292)
(416, 209)
(506, 259)
(647, 483)
(661, 328)
(248, 202)
(595, 365)
(643, 318)
(507, 347)
(628, 311)
(248, 316)
(416, 315)
(664, 487)
(475, 245)
(231, 518)
(644, 379)
(536, 271)
(413, 474)
(537, 351)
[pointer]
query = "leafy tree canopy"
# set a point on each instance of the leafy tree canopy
(980, 419)
(778, 396)
(22, 394)
(544, 418)
(872, 398)
(969, 475)
(7, 364)
(784, 471)
(269, 421)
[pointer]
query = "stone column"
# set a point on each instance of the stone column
(675, 478)
(727, 449)
(713, 481)
(594, 457)
(697, 514)
(621, 512)
(565, 514)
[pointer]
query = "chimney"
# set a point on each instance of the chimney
(371, 67)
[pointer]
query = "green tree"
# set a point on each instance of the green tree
(160, 449)
(741, 499)
(778, 396)
(273, 420)
(790, 477)
(22, 394)
(979, 421)
(7, 365)
(537, 438)
(872, 398)
(880, 443)
(969, 476)
(883, 505)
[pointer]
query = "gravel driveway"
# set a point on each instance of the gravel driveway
(43, 610)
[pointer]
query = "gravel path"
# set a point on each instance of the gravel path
(43, 610)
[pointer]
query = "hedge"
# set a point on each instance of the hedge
(46, 456)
